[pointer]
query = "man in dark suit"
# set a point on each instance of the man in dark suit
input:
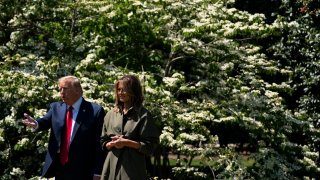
(74, 152)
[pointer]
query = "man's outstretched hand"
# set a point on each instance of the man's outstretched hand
(29, 121)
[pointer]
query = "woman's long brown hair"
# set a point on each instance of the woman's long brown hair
(133, 88)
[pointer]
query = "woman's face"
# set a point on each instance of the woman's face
(122, 93)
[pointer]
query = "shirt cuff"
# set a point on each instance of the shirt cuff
(36, 128)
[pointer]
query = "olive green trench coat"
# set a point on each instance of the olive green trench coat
(128, 163)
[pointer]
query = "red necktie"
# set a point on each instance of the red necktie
(65, 140)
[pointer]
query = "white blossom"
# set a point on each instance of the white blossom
(17, 172)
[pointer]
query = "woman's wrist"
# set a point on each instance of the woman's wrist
(108, 145)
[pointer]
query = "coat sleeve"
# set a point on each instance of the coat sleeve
(100, 155)
(105, 137)
(149, 134)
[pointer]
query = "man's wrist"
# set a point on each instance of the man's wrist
(34, 129)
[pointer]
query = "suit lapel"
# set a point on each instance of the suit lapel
(81, 116)
(58, 127)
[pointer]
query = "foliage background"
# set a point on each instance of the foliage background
(215, 74)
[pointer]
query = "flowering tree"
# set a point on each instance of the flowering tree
(212, 75)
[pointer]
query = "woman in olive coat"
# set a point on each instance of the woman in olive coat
(129, 133)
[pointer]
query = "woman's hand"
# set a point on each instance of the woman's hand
(117, 142)
(120, 142)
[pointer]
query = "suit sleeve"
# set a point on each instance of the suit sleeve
(44, 123)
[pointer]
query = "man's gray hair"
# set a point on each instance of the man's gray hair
(75, 82)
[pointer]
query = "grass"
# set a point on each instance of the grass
(197, 162)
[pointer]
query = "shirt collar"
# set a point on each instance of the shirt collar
(76, 105)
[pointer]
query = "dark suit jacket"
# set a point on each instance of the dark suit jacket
(85, 154)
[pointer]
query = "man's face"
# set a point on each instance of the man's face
(68, 93)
